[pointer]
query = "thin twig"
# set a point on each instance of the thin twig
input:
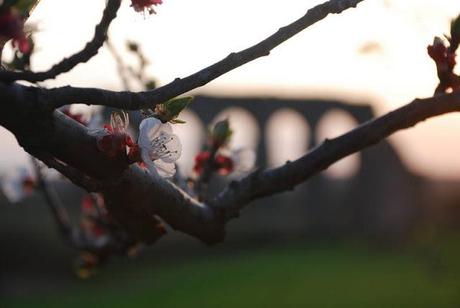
(67, 64)
(157, 197)
(74, 175)
(59, 212)
(121, 66)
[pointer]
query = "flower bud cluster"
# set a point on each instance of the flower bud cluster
(218, 157)
(443, 54)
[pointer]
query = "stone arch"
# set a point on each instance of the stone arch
(286, 135)
(207, 108)
(192, 135)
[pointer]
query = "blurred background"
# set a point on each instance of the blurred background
(379, 228)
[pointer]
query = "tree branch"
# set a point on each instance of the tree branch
(74, 175)
(89, 51)
(207, 221)
(59, 213)
(121, 67)
(137, 199)
(58, 97)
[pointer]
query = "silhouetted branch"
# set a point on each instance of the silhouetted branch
(58, 97)
(89, 51)
(137, 199)
(265, 183)
(140, 201)
(121, 67)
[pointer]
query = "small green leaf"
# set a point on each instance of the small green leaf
(170, 110)
(177, 121)
(176, 105)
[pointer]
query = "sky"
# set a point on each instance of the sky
(375, 54)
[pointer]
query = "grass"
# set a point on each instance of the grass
(293, 276)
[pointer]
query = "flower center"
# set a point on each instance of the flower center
(160, 149)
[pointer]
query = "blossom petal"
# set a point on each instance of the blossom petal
(159, 147)
(174, 149)
(165, 169)
(148, 129)
(149, 163)
(166, 127)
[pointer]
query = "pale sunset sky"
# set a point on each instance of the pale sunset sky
(373, 54)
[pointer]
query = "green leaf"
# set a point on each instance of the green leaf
(177, 121)
(174, 106)
(170, 110)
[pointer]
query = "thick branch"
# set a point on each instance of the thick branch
(67, 64)
(148, 99)
(136, 198)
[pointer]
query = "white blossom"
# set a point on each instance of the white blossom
(159, 147)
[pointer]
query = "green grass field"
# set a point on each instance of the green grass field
(292, 276)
